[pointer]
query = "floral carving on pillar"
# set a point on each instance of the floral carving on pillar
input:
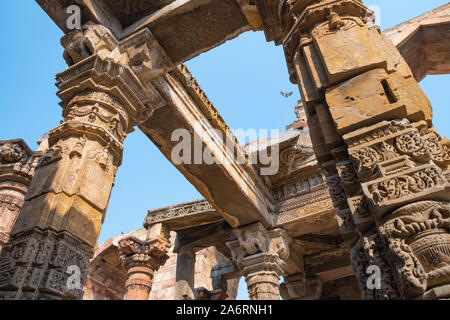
(418, 238)
(141, 259)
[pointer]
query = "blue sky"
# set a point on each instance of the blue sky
(242, 78)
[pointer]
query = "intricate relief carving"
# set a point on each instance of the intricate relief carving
(335, 24)
(11, 202)
(11, 152)
(253, 239)
(405, 184)
(379, 131)
(345, 221)
(36, 261)
(77, 150)
(152, 253)
(173, 212)
(336, 189)
(52, 155)
(439, 148)
(390, 140)
(95, 107)
(279, 243)
(146, 57)
(369, 251)
(104, 160)
(412, 144)
(257, 249)
(298, 188)
(419, 243)
(92, 39)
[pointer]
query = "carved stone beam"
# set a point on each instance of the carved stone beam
(260, 256)
(141, 260)
(174, 23)
(203, 236)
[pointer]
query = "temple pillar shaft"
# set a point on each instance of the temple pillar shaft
(185, 274)
(59, 224)
(260, 257)
(386, 166)
(17, 164)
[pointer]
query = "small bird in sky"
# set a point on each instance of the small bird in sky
(286, 95)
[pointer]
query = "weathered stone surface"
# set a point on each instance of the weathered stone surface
(375, 96)
(386, 168)
(424, 42)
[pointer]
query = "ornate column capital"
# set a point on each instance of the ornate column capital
(141, 259)
(260, 256)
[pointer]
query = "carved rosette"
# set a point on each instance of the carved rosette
(141, 259)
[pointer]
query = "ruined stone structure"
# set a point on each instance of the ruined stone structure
(364, 178)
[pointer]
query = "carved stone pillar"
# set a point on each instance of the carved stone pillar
(141, 260)
(59, 224)
(17, 164)
(260, 256)
(185, 274)
(387, 168)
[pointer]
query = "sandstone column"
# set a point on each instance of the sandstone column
(371, 127)
(141, 260)
(185, 274)
(260, 256)
(59, 224)
(17, 165)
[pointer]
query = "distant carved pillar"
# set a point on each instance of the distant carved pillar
(17, 164)
(141, 259)
(260, 256)
(371, 125)
(59, 224)
(185, 274)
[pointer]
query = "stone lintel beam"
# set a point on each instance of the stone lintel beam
(326, 261)
(185, 28)
(236, 191)
(203, 237)
(180, 103)
(184, 215)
